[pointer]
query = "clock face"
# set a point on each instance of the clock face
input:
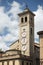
(24, 48)
(23, 38)
(23, 41)
(24, 34)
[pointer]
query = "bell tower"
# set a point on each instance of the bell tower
(26, 36)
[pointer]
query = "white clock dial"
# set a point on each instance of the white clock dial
(23, 41)
(23, 48)
(24, 34)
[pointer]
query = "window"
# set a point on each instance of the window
(7, 62)
(22, 20)
(27, 63)
(13, 62)
(25, 19)
(30, 63)
(31, 30)
(2, 63)
(22, 62)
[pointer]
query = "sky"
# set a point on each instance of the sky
(9, 23)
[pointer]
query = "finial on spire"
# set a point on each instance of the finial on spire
(26, 5)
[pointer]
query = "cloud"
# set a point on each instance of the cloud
(4, 19)
(38, 21)
(3, 45)
(9, 37)
(9, 24)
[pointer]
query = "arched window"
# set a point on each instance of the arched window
(22, 62)
(21, 20)
(27, 63)
(25, 19)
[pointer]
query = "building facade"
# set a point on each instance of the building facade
(23, 51)
(40, 33)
